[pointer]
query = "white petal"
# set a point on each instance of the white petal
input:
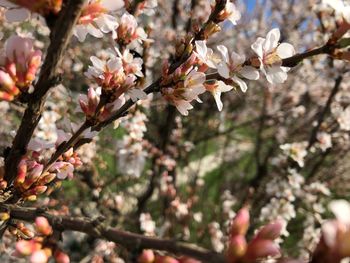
(17, 15)
(276, 75)
(183, 107)
(341, 209)
(272, 39)
(137, 94)
(223, 70)
(80, 31)
(335, 4)
(250, 72)
(94, 31)
(285, 50)
(201, 49)
(114, 64)
(329, 232)
(237, 59)
(112, 5)
(97, 63)
(106, 23)
(224, 53)
(217, 97)
(241, 84)
(223, 87)
(257, 46)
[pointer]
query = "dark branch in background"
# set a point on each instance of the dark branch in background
(189, 21)
(126, 239)
(313, 136)
(60, 37)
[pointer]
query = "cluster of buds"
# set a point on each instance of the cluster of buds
(65, 165)
(90, 106)
(261, 246)
(334, 245)
(18, 66)
(39, 248)
(148, 256)
(30, 180)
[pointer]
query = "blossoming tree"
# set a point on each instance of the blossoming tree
(174, 131)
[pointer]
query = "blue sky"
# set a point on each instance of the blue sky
(250, 4)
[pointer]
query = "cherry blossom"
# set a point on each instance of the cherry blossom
(95, 19)
(270, 53)
(297, 151)
(340, 7)
(182, 95)
(231, 66)
(19, 63)
(204, 54)
(129, 31)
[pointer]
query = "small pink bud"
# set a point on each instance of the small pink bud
(271, 231)
(165, 259)
(237, 247)
(240, 223)
(188, 260)
(25, 247)
(261, 248)
(61, 257)
(147, 256)
(6, 81)
(22, 172)
(42, 226)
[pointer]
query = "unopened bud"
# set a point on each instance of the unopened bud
(147, 256)
(240, 223)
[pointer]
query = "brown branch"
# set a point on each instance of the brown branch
(60, 37)
(126, 239)
(325, 110)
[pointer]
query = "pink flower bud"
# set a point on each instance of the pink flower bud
(61, 257)
(33, 66)
(22, 172)
(261, 248)
(188, 260)
(25, 247)
(240, 223)
(165, 259)
(237, 247)
(6, 97)
(147, 256)
(6, 82)
(42, 226)
(271, 231)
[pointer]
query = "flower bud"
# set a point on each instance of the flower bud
(240, 223)
(237, 247)
(61, 257)
(261, 248)
(271, 231)
(42, 226)
(147, 256)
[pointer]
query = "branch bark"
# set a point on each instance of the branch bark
(60, 37)
(127, 239)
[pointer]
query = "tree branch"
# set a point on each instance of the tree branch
(60, 37)
(127, 239)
